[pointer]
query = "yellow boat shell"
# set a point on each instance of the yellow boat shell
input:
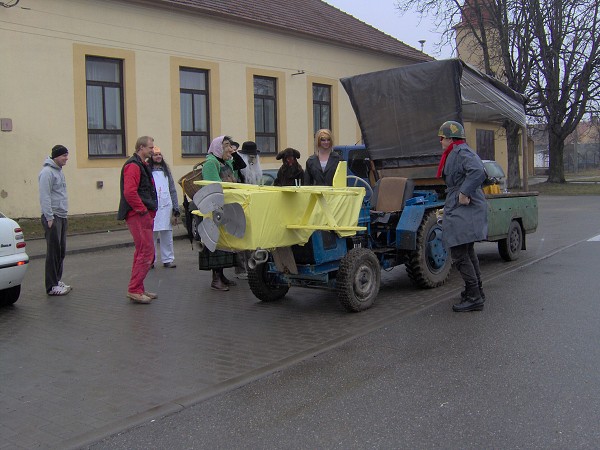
(284, 216)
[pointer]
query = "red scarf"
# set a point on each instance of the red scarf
(440, 170)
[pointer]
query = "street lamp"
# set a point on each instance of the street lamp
(422, 42)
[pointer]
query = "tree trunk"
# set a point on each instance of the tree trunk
(513, 140)
(556, 172)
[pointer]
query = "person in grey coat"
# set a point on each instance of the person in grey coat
(465, 211)
(55, 205)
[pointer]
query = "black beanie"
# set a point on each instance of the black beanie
(58, 150)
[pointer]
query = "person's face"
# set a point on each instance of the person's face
(61, 160)
(157, 157)
(445, 142)
(227, 150)
(324, 142)
(146, 150)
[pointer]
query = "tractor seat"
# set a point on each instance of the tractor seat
(389, 197)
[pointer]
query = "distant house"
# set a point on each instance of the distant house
(95, 75)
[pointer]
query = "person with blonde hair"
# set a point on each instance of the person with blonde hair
(321, 167)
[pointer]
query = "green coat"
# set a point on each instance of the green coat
(219, 170)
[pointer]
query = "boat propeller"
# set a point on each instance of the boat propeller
(210, 199)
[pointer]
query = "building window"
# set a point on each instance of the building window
(485, 144)
(104, 98)
(193, 94)
(321, 107)
(265, 114)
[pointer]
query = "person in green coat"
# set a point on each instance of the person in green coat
(219, 167)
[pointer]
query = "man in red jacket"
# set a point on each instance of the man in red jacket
(138, 207)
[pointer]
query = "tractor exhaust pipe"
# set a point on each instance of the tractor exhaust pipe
(258, 257)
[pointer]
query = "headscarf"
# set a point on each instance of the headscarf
(216, 146)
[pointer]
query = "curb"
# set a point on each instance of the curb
(96, 248)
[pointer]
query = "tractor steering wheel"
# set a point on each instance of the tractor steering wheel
(354, 181)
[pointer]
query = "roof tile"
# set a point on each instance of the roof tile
(313, 18)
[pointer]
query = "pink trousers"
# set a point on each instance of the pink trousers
(141, 230)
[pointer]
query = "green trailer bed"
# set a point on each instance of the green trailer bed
(511, 216)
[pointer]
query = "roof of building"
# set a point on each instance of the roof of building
(309, 18)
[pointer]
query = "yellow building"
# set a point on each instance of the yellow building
(95, 75)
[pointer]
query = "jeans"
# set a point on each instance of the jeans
(466, 262)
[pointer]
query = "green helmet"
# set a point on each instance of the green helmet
(451, 129)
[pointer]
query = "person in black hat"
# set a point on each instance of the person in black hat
(238, 161)
(55, 205)
(252, 173)
(290, 173)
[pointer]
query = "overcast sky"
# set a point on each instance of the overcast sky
(384, 16)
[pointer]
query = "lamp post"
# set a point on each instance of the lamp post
(422, 42)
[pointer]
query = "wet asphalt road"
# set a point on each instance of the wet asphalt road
(232, 372)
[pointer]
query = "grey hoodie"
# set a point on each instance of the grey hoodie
(53, 190)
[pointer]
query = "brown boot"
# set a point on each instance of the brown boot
(217, 284)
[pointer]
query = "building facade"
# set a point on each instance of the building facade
(94, 75)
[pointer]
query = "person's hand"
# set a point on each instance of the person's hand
(463, 199)
(174, 220)
(50, 222)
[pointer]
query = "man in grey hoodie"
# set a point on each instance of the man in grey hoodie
(55, 205)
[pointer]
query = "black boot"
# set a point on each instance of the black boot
(463, 294)
(471, 302)
(217, 284)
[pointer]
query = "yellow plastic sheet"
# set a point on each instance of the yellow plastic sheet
(284, 216)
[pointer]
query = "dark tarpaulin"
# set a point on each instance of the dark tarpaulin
(400, 110)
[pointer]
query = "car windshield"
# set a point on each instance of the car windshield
(493, 169)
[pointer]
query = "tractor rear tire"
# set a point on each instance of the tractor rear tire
(262, 284)
(358, 279)
(429, 265)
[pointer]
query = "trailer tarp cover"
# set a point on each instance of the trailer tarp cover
(400, 110)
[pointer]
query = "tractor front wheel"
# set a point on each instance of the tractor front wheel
(358, 279)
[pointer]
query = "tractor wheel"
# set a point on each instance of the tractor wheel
(510, 248)
(429, 265)
(263, 286)
(358, 279)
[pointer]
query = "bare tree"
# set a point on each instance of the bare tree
(546, 49)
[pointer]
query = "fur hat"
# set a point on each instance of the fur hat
(249, 148)
(58, 150)
(288, 152)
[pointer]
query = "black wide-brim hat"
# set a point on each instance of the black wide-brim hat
(288, 152)
(249, 148)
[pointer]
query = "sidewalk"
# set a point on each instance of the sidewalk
(90, 242)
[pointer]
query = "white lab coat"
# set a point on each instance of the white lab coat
(162, 221)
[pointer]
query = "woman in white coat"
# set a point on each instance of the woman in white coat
(167, 205)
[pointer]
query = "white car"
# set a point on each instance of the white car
(13, 260)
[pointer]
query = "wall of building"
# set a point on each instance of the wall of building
(42, 88)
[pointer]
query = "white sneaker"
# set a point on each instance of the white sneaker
(59, 290)
(66, 286)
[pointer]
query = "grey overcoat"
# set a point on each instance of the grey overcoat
(463, 172)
